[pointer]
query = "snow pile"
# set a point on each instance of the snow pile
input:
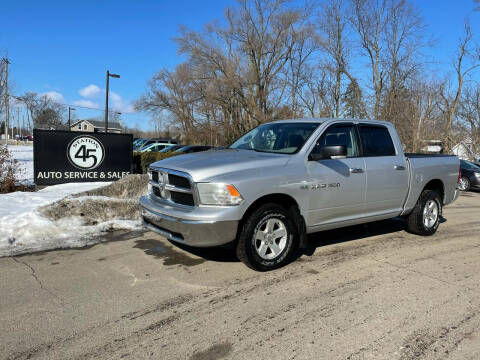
(57, 218)
(24, 156)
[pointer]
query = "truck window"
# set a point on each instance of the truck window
(339, 135)
(281, 137)
(376, 141)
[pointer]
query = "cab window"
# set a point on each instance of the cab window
(376, 141)
(339, 135)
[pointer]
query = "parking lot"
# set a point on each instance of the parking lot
(371, 291)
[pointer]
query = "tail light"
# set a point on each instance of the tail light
(459, 174)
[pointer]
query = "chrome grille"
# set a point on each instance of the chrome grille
(172, 186)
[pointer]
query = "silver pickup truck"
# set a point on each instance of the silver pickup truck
(286, 179)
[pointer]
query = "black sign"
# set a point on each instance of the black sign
(69, 156)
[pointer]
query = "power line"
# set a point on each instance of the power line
(20, 98)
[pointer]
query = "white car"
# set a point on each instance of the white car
(154, 147)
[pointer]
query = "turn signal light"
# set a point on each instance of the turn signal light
(233, 192)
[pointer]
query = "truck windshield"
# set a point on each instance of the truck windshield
(285, 138)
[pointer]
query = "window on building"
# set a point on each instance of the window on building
(84, 126)
(80, 127)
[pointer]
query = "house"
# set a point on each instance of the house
(90, 125)
(465, 150)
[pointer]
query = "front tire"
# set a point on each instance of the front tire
(268, 238)
(425, 217)
(464, 184)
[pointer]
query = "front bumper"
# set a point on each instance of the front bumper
(194, 227)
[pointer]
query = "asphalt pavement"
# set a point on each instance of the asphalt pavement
(365, 292)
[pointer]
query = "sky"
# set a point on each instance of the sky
(64, 48)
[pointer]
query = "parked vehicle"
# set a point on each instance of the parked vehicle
(146, 142)
(138, 142)
(192, 149)
(285, 179)
(171, 148)
(470, 176)
(155, 146)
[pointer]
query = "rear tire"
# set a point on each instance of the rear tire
(425, 217)
(268, 239)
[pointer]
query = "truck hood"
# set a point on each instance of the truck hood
(206, 165)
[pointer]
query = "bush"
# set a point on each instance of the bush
(8, 169)
(148, 158)
(142, 160)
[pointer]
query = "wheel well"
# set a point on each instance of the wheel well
(436, 185)
(281, 199)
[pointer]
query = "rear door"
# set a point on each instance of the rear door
(336, 186)
(386, 169)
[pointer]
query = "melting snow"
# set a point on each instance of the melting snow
(23, 229)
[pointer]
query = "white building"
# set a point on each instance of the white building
(464, 150)
(90, 125)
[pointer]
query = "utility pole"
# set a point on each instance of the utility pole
(18, 121)
(69, 125)
(5, 60)
(106, 97)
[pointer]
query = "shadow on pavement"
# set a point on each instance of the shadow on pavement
(352, 233)
(320, 239)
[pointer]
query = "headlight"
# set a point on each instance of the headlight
(218, 194)
(477, 174)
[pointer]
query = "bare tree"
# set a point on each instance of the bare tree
(42, 112)
(333, 25)
(369, 18)
(465, 62)
(469, 114)
(404, 41)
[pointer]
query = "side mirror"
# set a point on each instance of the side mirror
(330, 152)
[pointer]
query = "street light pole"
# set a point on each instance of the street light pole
(69, 125)
(106, 97)
(7, 99)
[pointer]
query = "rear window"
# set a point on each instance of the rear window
(469, 165)
(376, 141)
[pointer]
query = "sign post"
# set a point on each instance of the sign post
(65, 157)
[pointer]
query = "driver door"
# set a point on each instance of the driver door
(337, 185)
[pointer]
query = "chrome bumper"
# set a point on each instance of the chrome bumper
(168, 222)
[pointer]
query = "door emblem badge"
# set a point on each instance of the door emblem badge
(321, 186)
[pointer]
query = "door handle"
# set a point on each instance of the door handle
(399, 167)
(356, 170)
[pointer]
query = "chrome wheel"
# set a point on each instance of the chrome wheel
(430, 214)
(463, 184)
(270, 238)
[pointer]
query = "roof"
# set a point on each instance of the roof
(100, 124)
(322, 120)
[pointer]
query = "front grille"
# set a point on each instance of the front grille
(172, 187)
(179, 181)
(156, 191)
(182, 198)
